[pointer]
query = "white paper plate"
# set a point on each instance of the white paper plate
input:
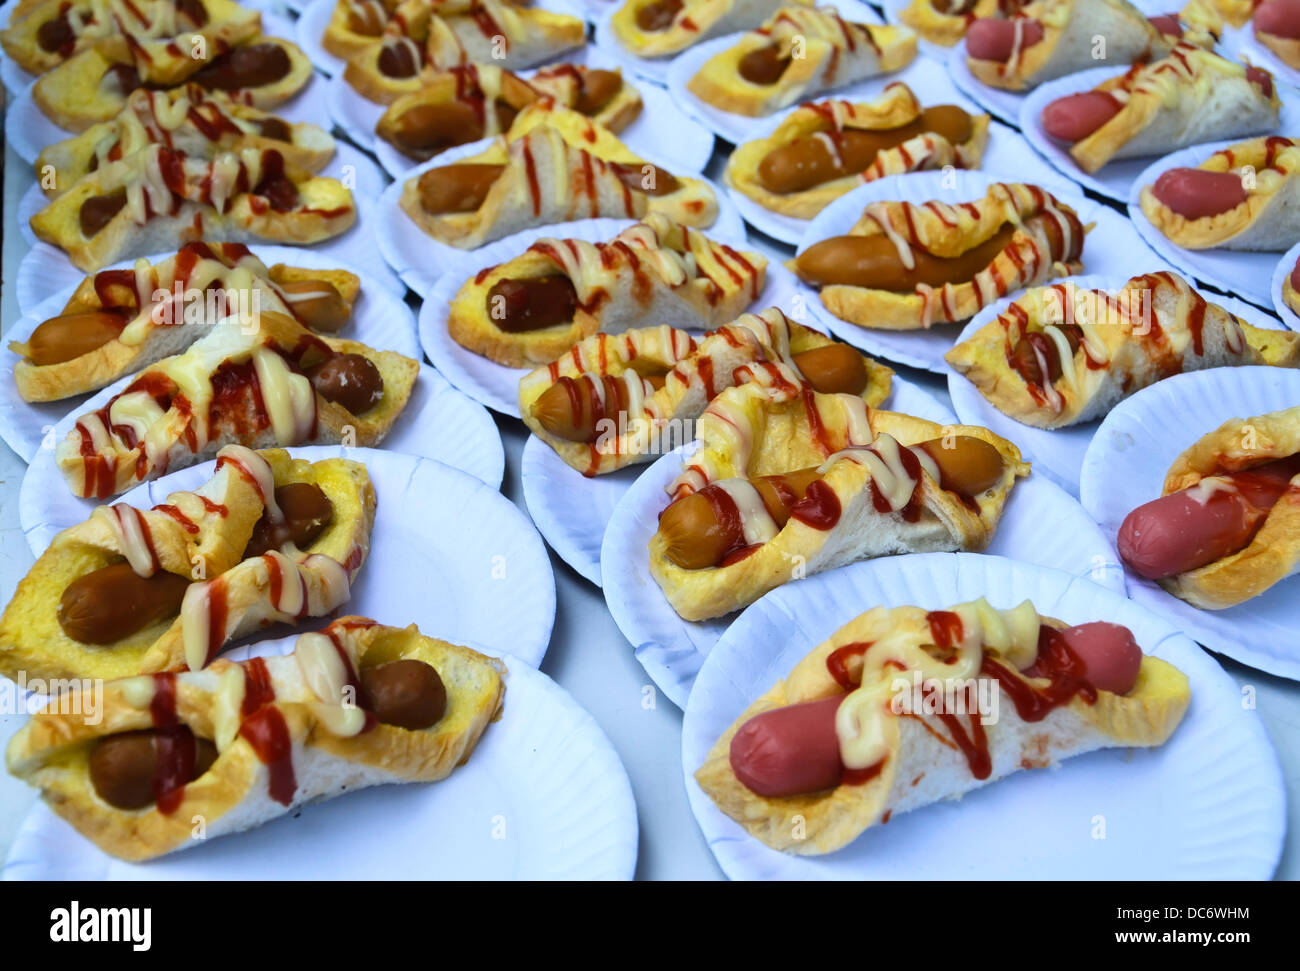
(672, 649)
(1058, 453)
(381, 321)
(309, 33)
(1245, 274)
(543, 797)
(571, 511)
(1245, 46)
(420, 260)
(356, 246)
(438, 423)
(14, 78)
(662, 129)
(1284, 267)
(1111, 249)
(29, 131)
(1006, 154)
(1115, 180)
(1207, 805)
(735, 128)
(1126, 465)
(496, 385)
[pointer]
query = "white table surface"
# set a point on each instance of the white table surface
(588, 655)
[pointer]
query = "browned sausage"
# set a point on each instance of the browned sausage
(397, 61)
(650, 179)
(349, 380)
(69, 336)
(517, 306)
(318, 304)
(833, 369)
(456, 188)
(251, 66)
(764, 65)
(367, 20)
(598, 89)
(54, 34)
(570, 408)
(97, 211)
(406, 693)
(873, 262)
(305, 513)
(808, 162)
(657, 15)
(436, 127)
(114, 602)
(276, 129)
(124, 768)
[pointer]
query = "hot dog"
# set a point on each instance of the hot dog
(597, 90)
(97, 211)
(349, 380)
(250, 66)
(69, 336)
(873, 262)
(305, 511)
(1167, 23)
(571, 408)
(114, 602)
(317, 303)
(1199, 194)
(996, 40)
(399, 60)
(703, 529)
(1035, 349)
(1295, 277)
(407, 693)
(764, 66)
(1076, 116)
(1279, 17)
(518, 306)
(1108, 652)
(435, 127)
(1213, 519)
(657, 15)
(810, 161)
(132, 770)
(456, 188)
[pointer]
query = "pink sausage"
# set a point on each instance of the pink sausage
(1196, 193)
(1167, 23)
(994, 40)
(789, 751)
(1076, 116)
(1110, 655)
(1295, 277)
(1281, 18)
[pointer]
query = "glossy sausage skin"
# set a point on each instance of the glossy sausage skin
(97, 211)
(1192, 528)
(597, 90)
(305, 512)
(571, 410)
(808, 162)
(795, 750)
(1198, 194)
(318, 304)
(1076, 116)
(124, 767)
(250, 66)
(352, 381)
(657, 15)
(408, 693)
(873, 262)
(764, 66)
(69, 336)
(519, 306)
(112, 603)
(650, 179)
(435, 127)
(1280, 18)
(456, 188)
(833, 369)
(994, 40)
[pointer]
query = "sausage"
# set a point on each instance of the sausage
(1024, 358)
(305, 511)
(349, 380)
(764, 66)
(397, 61)
(1258, 75)
(1280, 18)
(833, 369)
(318, 304)
(367, 19)
(994, 40)
(1198, 194)
(1109, 655)
(436, 127)
(1167, 23)
(1076, 116)
(518, 306)
(250, 66)
(873, 262)
(114, 602)
(97, 211)
(124, 768)
(597, 90)
(1194, 527)
(570, 409)
(1295, 278)
(702, 529)
(789, 751)
(456, 188)
(125, 77)
(808, 162)
(276, 129)
(55, 34)
(194, 11)
(657, 15)
(69, 336)
(406, 693)
(650, 179)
